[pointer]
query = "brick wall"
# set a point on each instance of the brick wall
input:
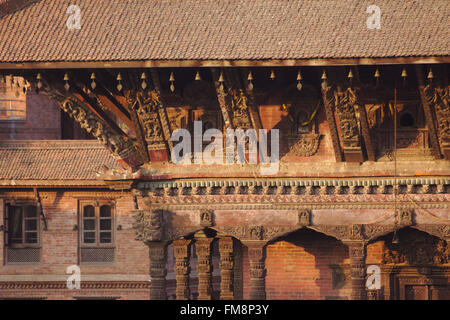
(43, 120)
(60, 250)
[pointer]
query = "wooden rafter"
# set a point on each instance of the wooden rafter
(429, 117)
(327, 102)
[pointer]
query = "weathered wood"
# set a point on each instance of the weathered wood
(224, 63)
(429, 117)
(327, 102)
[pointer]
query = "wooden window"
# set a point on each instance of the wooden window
(96, 232)
(22, 226)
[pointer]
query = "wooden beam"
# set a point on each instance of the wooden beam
(327, 102)
(366, 132)
(223, 63)
(161, 108)
(429, 117)
(221, 98)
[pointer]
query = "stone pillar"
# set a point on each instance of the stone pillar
(226, 250)
(158, 271)
(204, 268)
(182, 252)
(256, 257)
(357, 257)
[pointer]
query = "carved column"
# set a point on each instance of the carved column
(256, 256)
(357, 257)
(226, 268)
(204, 268)
(158, 271)
(182, 255)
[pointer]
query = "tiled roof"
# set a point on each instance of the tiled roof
(114, 30)
(52, 160)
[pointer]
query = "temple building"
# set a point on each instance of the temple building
(233, 149)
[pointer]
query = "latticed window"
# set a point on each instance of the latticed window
(22, 233)
(97, 232)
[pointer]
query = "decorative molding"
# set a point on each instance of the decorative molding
(62, 285)
(305, 145)
(118, 144)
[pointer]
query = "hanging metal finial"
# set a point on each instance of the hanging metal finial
(377, 76)
(172, 82)
(221, 80)
(272, 74)
(39, 82)
(324, 80)
(143, 83)
(299, 81)
(119, 84)
(66, 80)
(197, 76)
(93, 84)
(350, 74)
(250, 79)
(404, 75)
(430, 75)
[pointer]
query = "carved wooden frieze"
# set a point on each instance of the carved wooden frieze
(148, 225)
(345, 107)
(439, 100)
(147, 107)
(305, 145)
(120, 145)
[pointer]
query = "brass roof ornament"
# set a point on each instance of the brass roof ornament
(404, 75)
(250, 79)
(39, 81)
(172, 82)
(324, 80)
(197, 76)
(299, 81)
(66, 80)
(119, 84)
(143, 83)
(272, 75)
(350, 76)
(377, 76)
(221, 80)
(430, 75)
(93, 84)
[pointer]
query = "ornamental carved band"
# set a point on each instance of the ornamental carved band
(182, 269)
(226, 268)
(116, 143)
(147, 107)
(345, 106)
(148, 225)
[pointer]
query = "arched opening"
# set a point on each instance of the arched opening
(414, 265)
(312, 265)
